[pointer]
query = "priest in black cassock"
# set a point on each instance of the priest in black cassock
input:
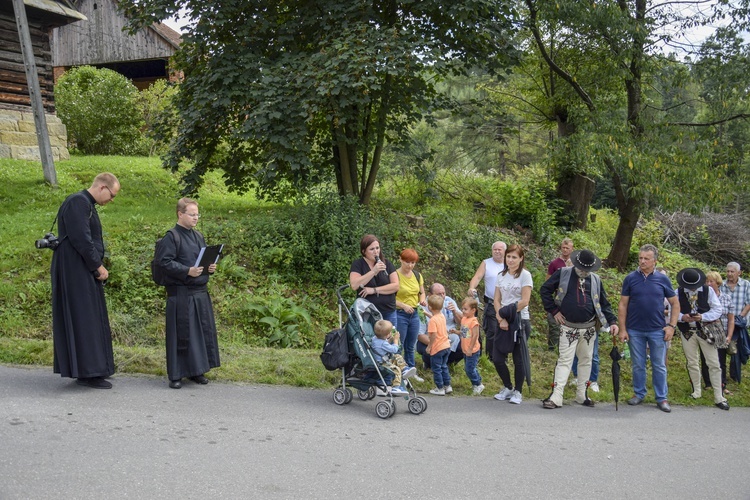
(80, 324)
(192, 344)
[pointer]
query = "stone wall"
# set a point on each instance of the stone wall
(18, 136)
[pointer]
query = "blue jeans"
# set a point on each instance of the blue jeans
(440, 373)
(470, 366)
(658, 347)
(392, 317)
(594, 363)
(408, 327)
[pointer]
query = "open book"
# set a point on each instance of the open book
(207, 256)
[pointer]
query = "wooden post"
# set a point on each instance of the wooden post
(35, 93)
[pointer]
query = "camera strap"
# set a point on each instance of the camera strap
(53, 224)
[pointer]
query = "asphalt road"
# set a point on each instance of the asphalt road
(144, 440)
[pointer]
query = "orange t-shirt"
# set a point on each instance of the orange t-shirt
(467, 335)
(438, 333)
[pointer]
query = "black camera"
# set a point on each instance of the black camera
(49, 241)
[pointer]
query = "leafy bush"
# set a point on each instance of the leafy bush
(276, 320)
(316, 239)
(156, 105)
(99, 108)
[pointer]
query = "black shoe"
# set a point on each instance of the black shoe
(723, 405)
(94, 383)
(199, 379)
(588, 403)
(175, 384)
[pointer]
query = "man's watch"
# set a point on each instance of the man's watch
(673, 326)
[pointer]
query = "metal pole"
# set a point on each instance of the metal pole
(35, 93)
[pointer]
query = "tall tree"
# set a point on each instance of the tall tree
(647, 164)
(287, 93)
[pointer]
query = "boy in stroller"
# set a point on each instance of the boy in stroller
(385, 348)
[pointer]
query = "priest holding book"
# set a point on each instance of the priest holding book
(192, 344)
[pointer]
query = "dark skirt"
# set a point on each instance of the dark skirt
(195, 350)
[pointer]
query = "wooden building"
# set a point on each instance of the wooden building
(17, 129)
(102, 43)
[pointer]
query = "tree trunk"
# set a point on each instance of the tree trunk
(629, 210)
(577, 190)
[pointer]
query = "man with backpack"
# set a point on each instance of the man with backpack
(191, 340)
(575, 298)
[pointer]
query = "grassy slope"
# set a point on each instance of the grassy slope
(143, 210)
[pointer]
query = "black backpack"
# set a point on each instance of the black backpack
(335, 353)
(157, 272)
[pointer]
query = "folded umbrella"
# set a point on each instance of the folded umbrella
(616, 357)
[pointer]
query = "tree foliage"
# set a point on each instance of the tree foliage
(99, 108)
(285, 94)
(648, 161)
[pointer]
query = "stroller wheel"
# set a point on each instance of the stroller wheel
(363, 395)
(349, 396)
(424, 403)
(339, 396)
(393, 408)
(383, 409)
(371, 392)
(415, 406)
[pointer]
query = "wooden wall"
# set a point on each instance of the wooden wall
(100, 40)
(14, 92)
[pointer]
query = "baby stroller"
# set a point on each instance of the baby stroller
(361, 371)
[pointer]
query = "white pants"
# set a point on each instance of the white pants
(573, 342)
(690, 347)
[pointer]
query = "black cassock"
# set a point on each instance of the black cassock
(80, 325)
(191, 341)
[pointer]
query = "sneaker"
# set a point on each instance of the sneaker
(437, 392)
(594, 386)
(399, 391)
(417, 378)
(448, 389)
(503, 395)
(380, 392)
(409, 372)
(573, 383)
(478, 389)
(516, 398)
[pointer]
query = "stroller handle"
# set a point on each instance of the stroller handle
(341, 289)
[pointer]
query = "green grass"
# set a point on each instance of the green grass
(143, 211)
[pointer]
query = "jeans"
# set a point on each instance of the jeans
(594, 363)
(470, 366)
(392, 317)
(440, 373)
(408, 327)
(658, 347)
(453, 358)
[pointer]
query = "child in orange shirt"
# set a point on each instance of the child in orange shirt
(438, 347)
(470, 343)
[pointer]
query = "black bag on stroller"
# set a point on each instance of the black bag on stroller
(335, 353)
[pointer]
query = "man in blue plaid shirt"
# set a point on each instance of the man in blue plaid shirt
(739, 288)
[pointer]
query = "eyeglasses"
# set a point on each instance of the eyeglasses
(111, 194)
(197, 216)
